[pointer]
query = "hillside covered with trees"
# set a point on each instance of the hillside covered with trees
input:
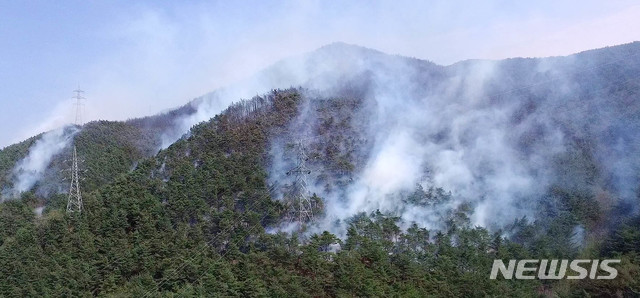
(193, 221)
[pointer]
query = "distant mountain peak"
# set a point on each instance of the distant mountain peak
(339, 45)
(342, 48)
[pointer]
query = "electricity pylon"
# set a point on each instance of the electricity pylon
(74, 203)
(78, 97)
(301, 193)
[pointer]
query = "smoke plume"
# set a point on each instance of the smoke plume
(31, 169)
(496, 134)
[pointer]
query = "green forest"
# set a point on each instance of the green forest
(196, 220)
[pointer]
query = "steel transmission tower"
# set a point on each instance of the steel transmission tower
(78, 97)
(300, 191)
(74, 203)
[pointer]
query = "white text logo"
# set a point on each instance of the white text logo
(555, 269)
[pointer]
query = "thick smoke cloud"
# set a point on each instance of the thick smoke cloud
(496, 142)
(31, 169)
(472, 157)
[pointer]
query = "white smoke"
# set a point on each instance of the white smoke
(205, 108)
(30, 169)
(475, 157)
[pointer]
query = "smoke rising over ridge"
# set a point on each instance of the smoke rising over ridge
(497, 134)
(31, 169)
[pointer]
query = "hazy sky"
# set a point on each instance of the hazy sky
(139, 59)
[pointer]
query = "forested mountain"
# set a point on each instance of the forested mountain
(420, 176)
(108, 149)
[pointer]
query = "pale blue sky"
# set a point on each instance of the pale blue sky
(142, 58)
